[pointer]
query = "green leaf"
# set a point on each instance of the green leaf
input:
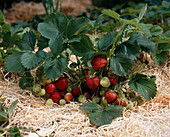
(13, 63)
(53, 68)
(104, 117)
(105, 41)
(1, 17)
(75, 25)
(160, 58)
(90, 107)
(74, 39)
(131, 51)
(6, 27)
(156, 30)
(14, 132)
(28, 41)
(53, 25)
(82, 48)
(42, 43)
(100, 19)
(3, 115)
(9, 41)
(141, 40)
(56, 45)
(143, 85)
(166, 34)
(11, 108)
(141, 26)
(121, 65)
(142, 12)
(164, 46)
(112, 14)
(29, 60)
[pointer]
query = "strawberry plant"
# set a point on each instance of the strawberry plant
(101, 72)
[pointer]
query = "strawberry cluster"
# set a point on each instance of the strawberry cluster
(94, 88)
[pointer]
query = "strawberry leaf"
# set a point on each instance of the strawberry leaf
(28, 41)
(90, 107)
(13, 63)
(53, 68)
(42, 43)
(56, 45)
(3, 115)
(112, 14)
(127, 49)
(160, 58)
(142, 84)
(82, 48)
(105, 116)
(11, 108)
(121, 65)
(29, 60)
(53, 25)
(75, 25)
(105, 41)
(144, 43)
(164, 46)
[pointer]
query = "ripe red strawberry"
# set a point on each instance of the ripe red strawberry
(56, 96)
(98, 63)
(113, 80)
(61, 83)
(120, 102)
(110, 96)
(50, 88)
(76, 91)
(92, 83)
(87, 94)
(68, 97)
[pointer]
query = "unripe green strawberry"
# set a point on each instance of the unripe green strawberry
(42, 92)
(62, 102)
(45, 81)
(104, 101)
(96, 99)
(69, 89)
(102, 93)
(129, 105)
(139, 100)
(124, 109)
(36, 88)
(82, 98)
(105, 82)
(49, 102)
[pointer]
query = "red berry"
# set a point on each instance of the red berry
(68, 97)
(92, 83)
(50, 88)
(120, 102)
(56, 96)
(113, 80)
(61, 83)
(98, 63)
(110, 96)
(87, 94)
(76, 91)
(1, 122)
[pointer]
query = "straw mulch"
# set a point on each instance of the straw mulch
(152, 119)
(23, 11)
